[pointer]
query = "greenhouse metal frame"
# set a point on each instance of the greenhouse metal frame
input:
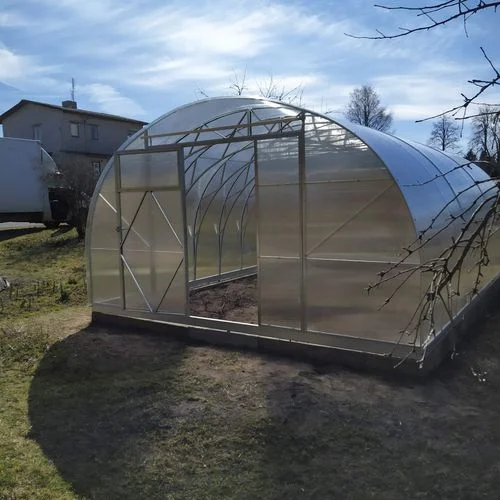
(314, 207)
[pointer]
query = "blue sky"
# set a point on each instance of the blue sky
(143, 58)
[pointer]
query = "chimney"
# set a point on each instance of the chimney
(69, 104)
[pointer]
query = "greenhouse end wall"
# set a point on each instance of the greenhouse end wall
(310, 209)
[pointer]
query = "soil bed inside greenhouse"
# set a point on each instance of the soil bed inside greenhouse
(233, 301)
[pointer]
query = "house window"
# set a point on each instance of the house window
(74, 129)
(37, 132)
(94, 132)
(96, 167)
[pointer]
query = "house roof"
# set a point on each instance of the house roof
(106, 116)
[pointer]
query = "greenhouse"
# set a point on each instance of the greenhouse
(266, 222)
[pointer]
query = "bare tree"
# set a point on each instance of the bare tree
(269, 87)
(445, 134)
(239, 83)
(364, 108)
(434, 15)
(485, 139)
(76, 180)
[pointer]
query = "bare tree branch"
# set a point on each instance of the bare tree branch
(436, 15)
(464, 12)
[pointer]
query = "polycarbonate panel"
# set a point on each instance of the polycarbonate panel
(416, 176)
(149, 170)
(230, 241)
(333, 153)
(134, 299)
(170, 204)
(278, 161)
(279, 283)
(175, 299)
(195, 115)
(477, 174)
(279, 221)
(459, 179)
(152, 227)
(154, 272)
(108, 184)
(203, 235)
(129, 206)
(337, 301)
(209, 159)
(104, 224)
(105, 277)
(357, 220)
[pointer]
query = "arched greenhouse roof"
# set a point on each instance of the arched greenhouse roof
(313, 206)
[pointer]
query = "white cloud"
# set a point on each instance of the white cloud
(16, 69)
(425, 89)
(109, 100)
(12, 19)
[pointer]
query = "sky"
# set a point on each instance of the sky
(145, 57)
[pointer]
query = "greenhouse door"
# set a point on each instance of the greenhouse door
(152, 232)
(279, 232)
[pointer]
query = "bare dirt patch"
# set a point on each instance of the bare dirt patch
(233, 301)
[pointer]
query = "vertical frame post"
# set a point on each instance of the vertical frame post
(302, 224)
(257, 230)
(182, 193)
(119, 231)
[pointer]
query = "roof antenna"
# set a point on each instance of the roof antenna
(72, 89)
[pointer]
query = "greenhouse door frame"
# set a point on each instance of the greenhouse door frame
(178, 148)
(144, 190)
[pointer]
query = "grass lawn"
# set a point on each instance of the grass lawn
(88, 412)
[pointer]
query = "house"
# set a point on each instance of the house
(68, 133)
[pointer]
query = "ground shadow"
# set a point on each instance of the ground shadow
(94, 398)
(7, 234)
(143, 416)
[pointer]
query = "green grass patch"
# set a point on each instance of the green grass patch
(46, 271)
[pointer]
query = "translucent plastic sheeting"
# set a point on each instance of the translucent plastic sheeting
(149, 170)
(154, 273)
(152, 227)
(357, 220)
(104, 224)
(424, 191)
(337, 300)
(334, 153)
(278, 162)
(105, 277)
(477, 174)
(279, 283)
(460, 180)
(197, 114)
(279, 232)
(152, 250)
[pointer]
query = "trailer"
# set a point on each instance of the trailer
(28, 190)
